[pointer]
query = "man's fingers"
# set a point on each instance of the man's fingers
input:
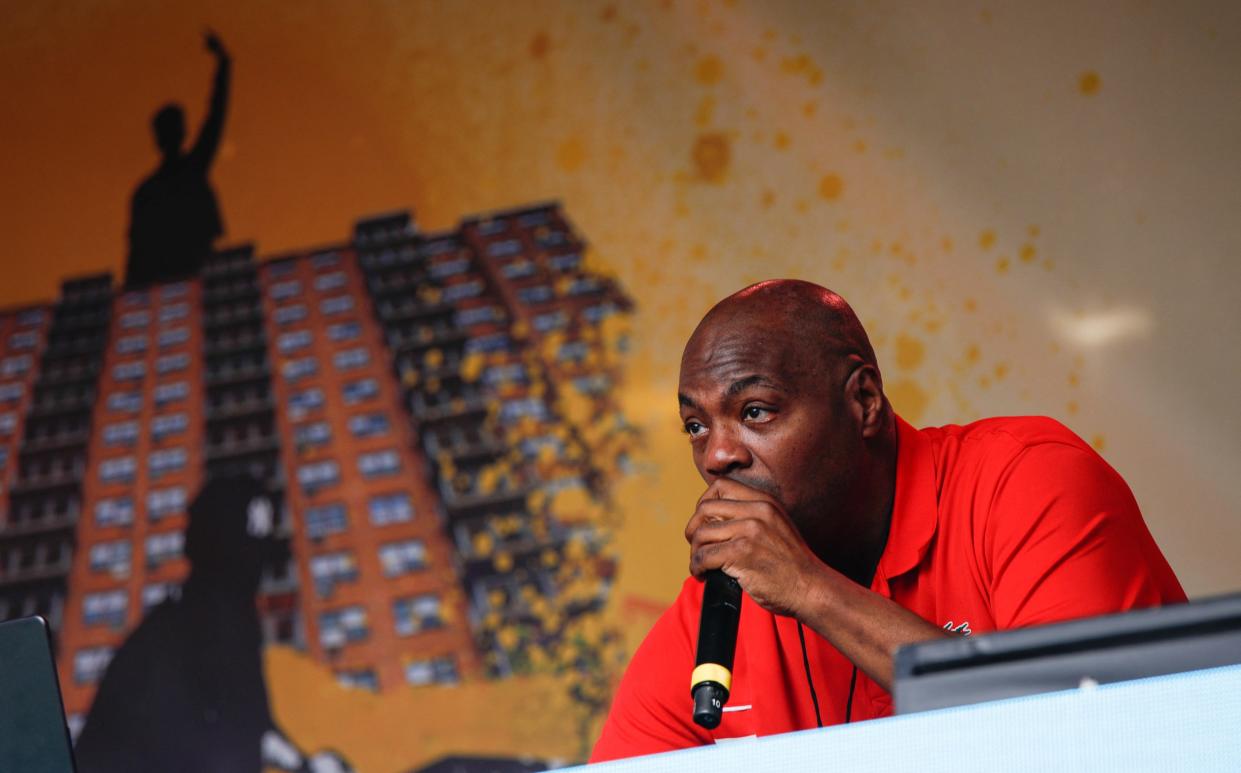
(718, 555)
(720, 531)
(729, 488)
(712, 492)
(713, 510)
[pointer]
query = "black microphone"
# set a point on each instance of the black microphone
(717, 643)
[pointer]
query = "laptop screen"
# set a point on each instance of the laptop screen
(33, 735)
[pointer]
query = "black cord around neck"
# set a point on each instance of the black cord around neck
(814, 697)
(849, 705)
(805, 659)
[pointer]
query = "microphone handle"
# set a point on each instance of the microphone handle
(717, 644)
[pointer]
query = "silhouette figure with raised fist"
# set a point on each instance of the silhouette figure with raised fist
(174, 218)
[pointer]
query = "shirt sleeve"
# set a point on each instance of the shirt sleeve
(652, 709)
(1065, 539)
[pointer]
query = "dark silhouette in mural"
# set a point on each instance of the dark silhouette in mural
(186, 690)
(174, 217)
(458, 764)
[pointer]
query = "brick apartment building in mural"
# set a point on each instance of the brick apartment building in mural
(406, 395)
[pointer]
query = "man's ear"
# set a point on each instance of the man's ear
(864, 396)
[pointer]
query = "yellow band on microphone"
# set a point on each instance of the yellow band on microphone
(711, 672)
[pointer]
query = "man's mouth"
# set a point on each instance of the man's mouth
(759, 484)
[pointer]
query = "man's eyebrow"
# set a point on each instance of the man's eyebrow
(749, 381)
(684, 400)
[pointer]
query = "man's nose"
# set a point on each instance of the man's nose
(725, 452)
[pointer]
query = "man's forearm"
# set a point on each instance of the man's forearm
(866, 627)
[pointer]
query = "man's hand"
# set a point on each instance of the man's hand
(214, 45)
(746, 533)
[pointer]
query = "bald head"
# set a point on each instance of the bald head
(815, 326)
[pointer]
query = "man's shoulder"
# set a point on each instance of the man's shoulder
(1005, 436)
(1020, 457)
(149, 186)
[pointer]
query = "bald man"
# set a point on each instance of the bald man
(852, 533)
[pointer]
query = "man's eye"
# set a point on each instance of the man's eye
(755, 413)
(693, 428)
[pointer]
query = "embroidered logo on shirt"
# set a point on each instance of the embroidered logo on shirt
(963, 628)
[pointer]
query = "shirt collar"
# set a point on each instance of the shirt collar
(915, 507)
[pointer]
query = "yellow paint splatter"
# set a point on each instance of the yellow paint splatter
(709, 70)
(570, 155)
(1001, 370)
(909, 352)
(782, 141)
(970, 305)
(972, 354)
(803, 66)
(1028, 253)
(986, 239)
(1088, 83)
(841, 260)
(1074, 379)
(711, 155)
(768, 198)
(860, 146)
(945, 244)
(831, 187)
(809, 109)
(706, 109)
(758, 54)
(540, 44)
(1099, 442)
(1001, 266)
(909, 399)
(1072, 407)
(1033, 231)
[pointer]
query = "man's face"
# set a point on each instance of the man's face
(760, 410)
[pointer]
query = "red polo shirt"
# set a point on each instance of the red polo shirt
(1002, 523)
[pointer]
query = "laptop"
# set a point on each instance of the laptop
(1064, 656)
(33, 735)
